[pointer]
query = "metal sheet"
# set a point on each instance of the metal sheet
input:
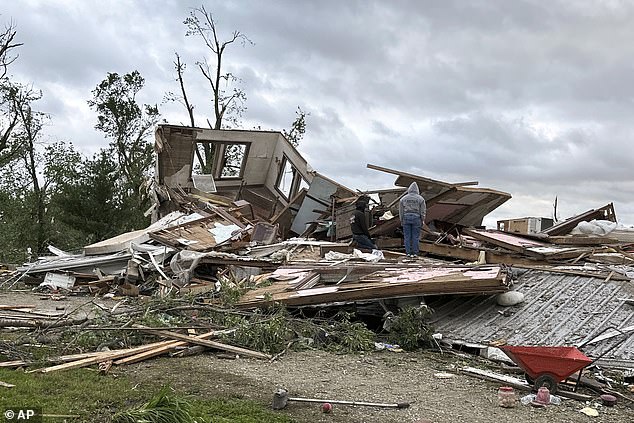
(558, 310)
(317, 198)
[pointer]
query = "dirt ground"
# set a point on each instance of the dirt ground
(385, 377)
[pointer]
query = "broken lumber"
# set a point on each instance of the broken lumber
(14, 307)
(206, 343)
(35, 323)
(166, 346)
(105, 356)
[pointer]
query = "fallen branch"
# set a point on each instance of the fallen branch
(39, 324)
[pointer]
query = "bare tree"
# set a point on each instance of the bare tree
(12, 96)
(7, 46)
(181, 98)
(228, 99)
(228, 103)
(180, 68)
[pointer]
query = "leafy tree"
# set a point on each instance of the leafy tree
(129, 126)
(298, 128)
(89, 203)
(15, 214)
(28, 135)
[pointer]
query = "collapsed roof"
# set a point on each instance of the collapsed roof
(260, 192)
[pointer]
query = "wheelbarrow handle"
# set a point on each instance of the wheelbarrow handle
(613, 328)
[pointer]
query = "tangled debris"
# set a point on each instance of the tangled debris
(244, 271)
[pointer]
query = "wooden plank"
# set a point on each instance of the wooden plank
(604, 213)
(391, 285)
(580, 240)
(101, 357)
(165, 347)
(205, 343)
(599, 275)
(506, 240)
(14, 363)
(13, 307)
(60, 359)
(471, 254)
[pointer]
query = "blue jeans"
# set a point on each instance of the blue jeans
(364, 242)
(411, 232)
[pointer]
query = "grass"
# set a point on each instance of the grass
(96, 398)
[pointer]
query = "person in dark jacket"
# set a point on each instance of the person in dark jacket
(359, 226)
(412, 210)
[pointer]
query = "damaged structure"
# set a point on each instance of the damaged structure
(281, 228)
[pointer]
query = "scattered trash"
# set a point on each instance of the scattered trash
(507, 397)
(608, 400)
(589, 411)
(532, 399)
(511, 298)
(249, 243)
(380, 346)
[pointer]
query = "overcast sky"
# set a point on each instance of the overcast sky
(535, 98)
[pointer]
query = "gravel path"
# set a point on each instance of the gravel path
(384, 377)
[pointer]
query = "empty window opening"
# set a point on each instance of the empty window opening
(232, 165)
(203, 158)
(289, 180)
(285, 178)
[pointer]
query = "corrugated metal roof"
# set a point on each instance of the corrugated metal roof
(559, 309)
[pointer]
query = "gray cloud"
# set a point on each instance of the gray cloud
(528, 97)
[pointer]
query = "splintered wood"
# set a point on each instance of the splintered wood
(300, 287)
(143, 352)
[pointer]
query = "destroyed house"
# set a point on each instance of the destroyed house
(260, 170)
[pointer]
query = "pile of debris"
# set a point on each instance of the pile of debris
(265, 229)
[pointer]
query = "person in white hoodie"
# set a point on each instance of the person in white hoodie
(412, 210)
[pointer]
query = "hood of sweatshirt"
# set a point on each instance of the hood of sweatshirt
(413, 188)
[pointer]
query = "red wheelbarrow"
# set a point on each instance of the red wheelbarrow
(547, 366)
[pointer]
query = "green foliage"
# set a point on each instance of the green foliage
(272, 330)
(298, 128)
(94, 205)
(164, 407)
(270, 334)
(346, 337)
(95, 398)
(410, 329)
(230, 292)
(129, 126)
(15, 217)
